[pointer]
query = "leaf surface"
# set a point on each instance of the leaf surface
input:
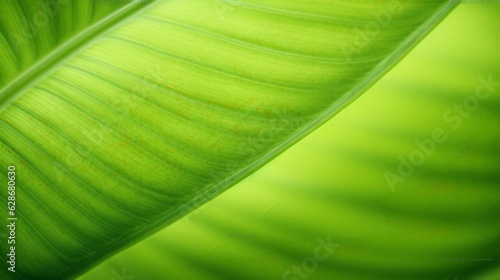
(117, 127)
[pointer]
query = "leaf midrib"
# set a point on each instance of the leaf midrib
(46, 65)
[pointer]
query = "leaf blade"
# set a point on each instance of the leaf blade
(148, 136)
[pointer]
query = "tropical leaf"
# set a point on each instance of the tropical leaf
(441, 223)
(118, 127)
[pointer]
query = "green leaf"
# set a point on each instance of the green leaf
(440, 223)
(118, 127)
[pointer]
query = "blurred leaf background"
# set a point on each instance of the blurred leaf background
(442, 222)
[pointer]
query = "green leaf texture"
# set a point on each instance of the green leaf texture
(440, 223)
(119, 126)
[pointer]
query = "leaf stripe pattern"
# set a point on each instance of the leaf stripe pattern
(162, 105)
